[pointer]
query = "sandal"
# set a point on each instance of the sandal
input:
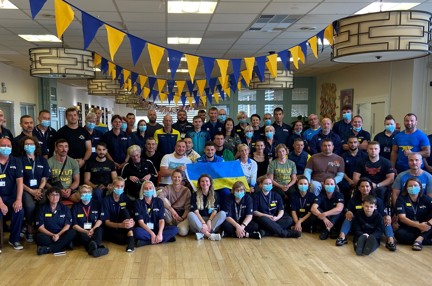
(417, 246)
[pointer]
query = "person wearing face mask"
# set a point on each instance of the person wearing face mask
(386, 137)
(267, 120)
(140, 136)
(11, 191)
(247, 139)
(94, 134)
(239, 213)
(297, 134)
(27, 125)
(45, 133)
(124, 125)
(242, 119)
(222, 115)
(87, 223)
(357, 130)
(36, 171)
(414, 210)
(343, 126)
(270, 142)
(182, 125)
(149, 214)
(269, 213)
(116, 216)
(301, 202)
(328, 207)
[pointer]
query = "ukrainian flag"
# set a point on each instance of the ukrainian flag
(224, 174)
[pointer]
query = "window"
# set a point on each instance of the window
(28, 109)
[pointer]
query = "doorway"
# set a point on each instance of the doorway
(373, 114)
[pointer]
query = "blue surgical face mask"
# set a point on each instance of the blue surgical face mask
(142, 128)
(357, 129)
(414, 190)
(347, 116)
(267, 122)
(5, 151)
(118, 192)
(243, 121)
(86, 197)
(148, 194)
(390, 128)
(268, 188)
(269, 135)
(303, 188)
(298, 132)
(249, 135)
(239, 195)
(123, 126)
(329, 188)
(222, 118)
(90, 125)
(29, 149)
(45, 123)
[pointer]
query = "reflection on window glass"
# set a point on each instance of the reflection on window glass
(273, 95)
(248, 108)
(247, 95)
(268, 108)
(226, 107)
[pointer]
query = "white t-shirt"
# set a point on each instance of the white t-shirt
(170, 161)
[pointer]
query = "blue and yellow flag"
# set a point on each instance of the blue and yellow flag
(224, 174)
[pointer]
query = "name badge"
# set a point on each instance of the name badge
(2, 183)
(28, 167)
(93, 149)
(80, 215)
(87, 225)
(33, 182)
(2, 176)
(302, 210)
(358, 207)
(150, 225)
(272, 204)
(408, 204)
(123, 204)
(48, 215)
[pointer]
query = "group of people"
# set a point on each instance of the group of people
(127, 185)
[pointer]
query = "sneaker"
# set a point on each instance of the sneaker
(293, 234)
(341, 241)
(360, 244)
(199, 235)
(324, 234)
(255, 235)
(130, 244)
(370, 242)
(130, 248)
(92, 247)
(391, 246)
(100, 252)
(41, 250)
(16, 245)
(29, 237)
(23, 232)
(215, 237)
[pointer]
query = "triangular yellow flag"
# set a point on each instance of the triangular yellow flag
(129, 84)
(64, 15)
(222, 82)
(156, 53)
(146, 92)
(246, 77)
(143, 80)
(228, 91)
(223, 67)
(176, 99)
(190, 100)
(112, 70)
(134, 89)
(192, 63)
(97, 59)
(126, 74)
(180, 86)
(313, 43)
(161, 84)
(216, 96)
(295, 55)
(328, 34)
(163, 96)
(204, 100)
(272, 64)
(201, 83)
(301, 54)
(249, 62)
(115, 38)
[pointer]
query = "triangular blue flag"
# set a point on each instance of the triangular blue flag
(196, 97)
(104, 65)
(233, 83)
(244, 84)
(121, 80)
(303, 47)
(134, 78)
(183, 98)
(284, 56)
(236, 65)
(119, 71)
(258, 74)
(320, 36)
(90, 26)
(209, 95)
(190, 85)
(36, 6)
(137, 46)
(155, 93)
(170, 84)
(174, 61)
(208, 66)
(260, 67)
(221, 92)
(335, 25)
(151, 81)
(212, 83)
(139, 90)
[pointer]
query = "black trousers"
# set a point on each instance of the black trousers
(230, 230)
(60, 245)
(84, 239)
(278, 228)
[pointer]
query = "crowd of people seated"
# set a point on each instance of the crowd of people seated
(82, 185)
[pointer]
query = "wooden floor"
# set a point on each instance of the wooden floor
(271, 261)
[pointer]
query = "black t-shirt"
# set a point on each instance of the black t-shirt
(100, 172)
(376, 171)
(326, 204)
(236, 211)
(206, 211)
(155, 159)
(138, 170)
(302, 205)
(76, 138)
(270, 204)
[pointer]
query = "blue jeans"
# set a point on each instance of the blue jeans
(346, 227)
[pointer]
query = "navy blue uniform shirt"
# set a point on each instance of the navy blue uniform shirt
(53, 221)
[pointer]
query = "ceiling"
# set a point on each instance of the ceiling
(225, 34)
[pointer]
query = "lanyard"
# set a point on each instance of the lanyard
(149, 209)
(2, 171)
(238, 210)
(268, 201)
(87, 212)
(414, 209)
(33, 167)
(302, 204)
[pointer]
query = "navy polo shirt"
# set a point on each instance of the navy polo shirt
(270, 204)
(386, 143)
(326, 204)
(111, 209)
(299, 160)
(302, 205)
(351, 161)
(82, 213)
(355, 205)
(205, 211)
(53, 221)
(315, 144)
(361, 136)
(282, 133)
(270, 150)
(95, 138)
(341, 128)
(8, 175)
(418, 211)
(291, 140)
(140, 140)
(46, 140)
(5, 133)
(238, 212)
(36, 169)
(152, 213)
(117, 145)
(212, 128)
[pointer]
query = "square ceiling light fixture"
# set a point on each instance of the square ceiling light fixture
(191, 7)
(183, 41)
(40, 38)
(385, 6)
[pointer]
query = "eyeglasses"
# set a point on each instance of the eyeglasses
(54, 195)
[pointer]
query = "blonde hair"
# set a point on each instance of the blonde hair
(242, 145)
(200, 196)
(133, 148)
(141, 193)
(111, 186)
(82, 187)
(237, 185)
